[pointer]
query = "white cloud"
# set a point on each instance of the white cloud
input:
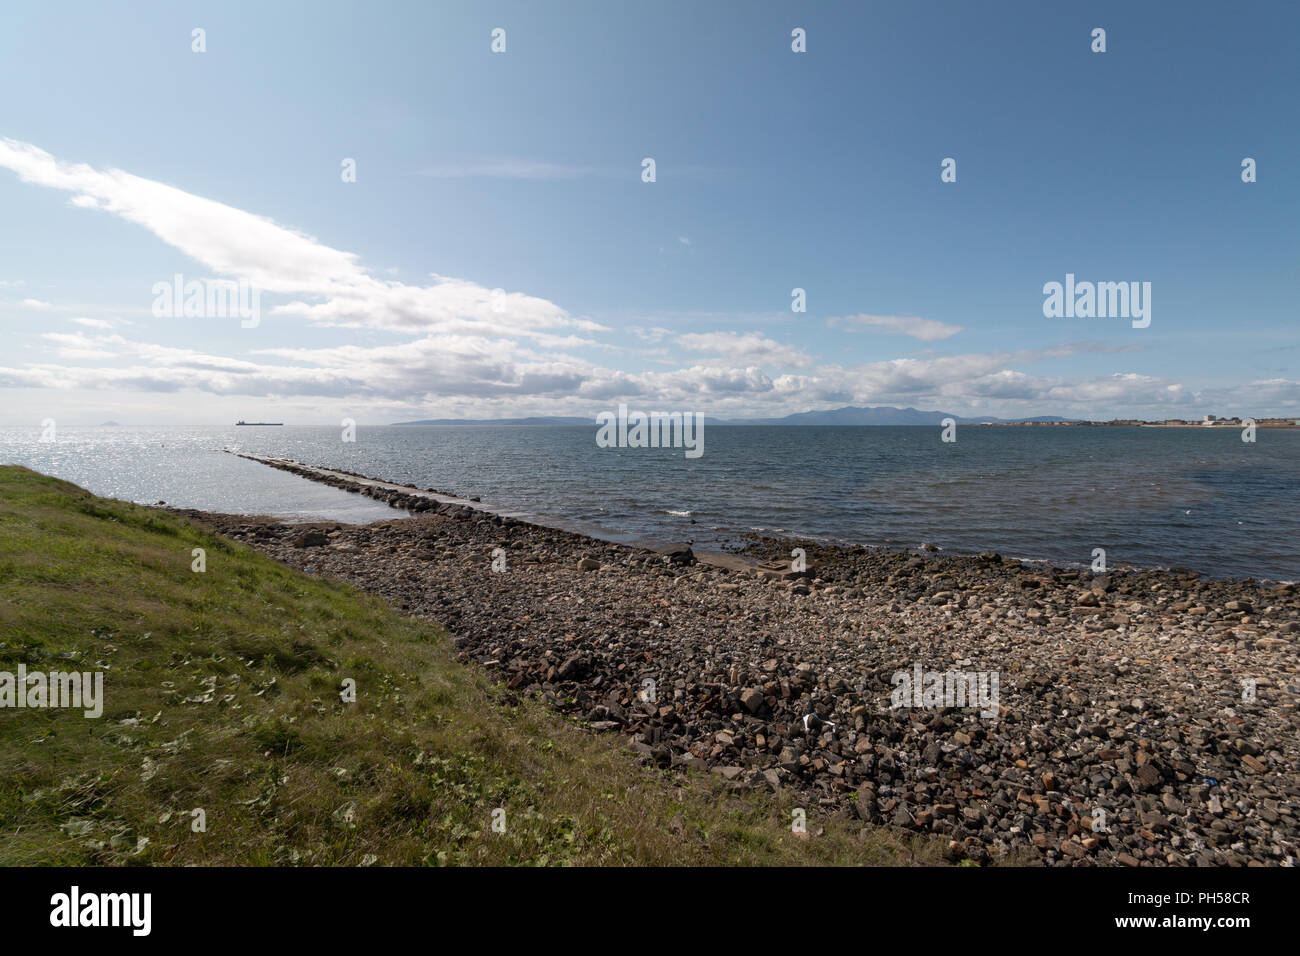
(745, 347)
(653, 334)
(927, 330)
(78, 345)
(37, 304)
(332, 289)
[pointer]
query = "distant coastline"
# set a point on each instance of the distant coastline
(1168, 423)
(883, 415)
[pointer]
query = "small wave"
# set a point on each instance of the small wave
(679, 514)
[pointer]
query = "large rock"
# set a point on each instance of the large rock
(682, 556)
(311, 539)
(575, 668)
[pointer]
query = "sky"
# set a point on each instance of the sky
(499, 252)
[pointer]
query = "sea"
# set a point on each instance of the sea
(1195, 498)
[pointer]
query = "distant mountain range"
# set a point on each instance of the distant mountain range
(849, 415)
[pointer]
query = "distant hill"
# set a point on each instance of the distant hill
(883, 415)
(849, 415)
(503, 421)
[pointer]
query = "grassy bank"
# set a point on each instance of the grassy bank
(222, 694)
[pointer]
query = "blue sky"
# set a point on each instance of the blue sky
(126, 158)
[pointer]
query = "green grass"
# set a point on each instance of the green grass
(221, 693)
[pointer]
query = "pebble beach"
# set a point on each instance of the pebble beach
(1141, 717)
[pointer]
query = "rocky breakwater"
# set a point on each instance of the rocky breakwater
(1141, 718)
(403, 497)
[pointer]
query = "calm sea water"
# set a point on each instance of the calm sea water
(1196, 498)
